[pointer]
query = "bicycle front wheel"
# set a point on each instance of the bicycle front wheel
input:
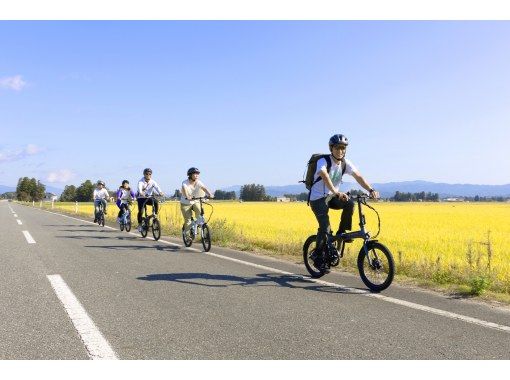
(206, 238)
(145, 228)
(377, 268)
(186, 238)
(156, 229)
(311, 259)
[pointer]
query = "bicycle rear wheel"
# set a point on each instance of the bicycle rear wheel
(156, 229)
(312, 261)
(376, 270)
(206, 238)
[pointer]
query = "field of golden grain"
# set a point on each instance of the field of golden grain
(443, 242)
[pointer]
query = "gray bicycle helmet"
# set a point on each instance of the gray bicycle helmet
(101, 183)
(338, 139)
(147, 170)
(193, 171)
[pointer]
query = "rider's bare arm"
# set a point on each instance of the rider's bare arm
(364, 184)
(209, 194)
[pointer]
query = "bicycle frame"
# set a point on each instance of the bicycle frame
(153, 215)
(200, 221)
(361, 234)
(125, 215)
(101, 205)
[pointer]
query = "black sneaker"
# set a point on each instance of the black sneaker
(95, 220)
(318, 262)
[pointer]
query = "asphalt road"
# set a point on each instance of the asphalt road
(141, 299)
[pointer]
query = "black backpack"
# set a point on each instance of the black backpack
(312, 168)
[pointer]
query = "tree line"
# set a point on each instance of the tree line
(413, 197)
(82, 193)
(30, 189)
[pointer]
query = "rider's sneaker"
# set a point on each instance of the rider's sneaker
(318, 262)
(95, 220)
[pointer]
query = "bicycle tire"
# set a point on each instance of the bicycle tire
(206, 237)
(128, 226)
(145, 228)
(384, 270)
(308, 249)
(121, 226)
(156, 229)
(187, 239)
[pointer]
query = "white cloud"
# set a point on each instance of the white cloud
(29, 150)
(32, 149)
(15, 83)
(60, 176)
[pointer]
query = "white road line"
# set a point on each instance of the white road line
(30, 239)
(19, 222)
(367, 293)
(95, 343)
(15, 215)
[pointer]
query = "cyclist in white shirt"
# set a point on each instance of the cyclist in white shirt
(325, 192)
(192, 188)
(146, 188)
(101, 196)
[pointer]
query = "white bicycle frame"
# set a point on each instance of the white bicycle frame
(197, 223)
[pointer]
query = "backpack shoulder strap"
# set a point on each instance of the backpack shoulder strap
(327, 157)
(344, 166)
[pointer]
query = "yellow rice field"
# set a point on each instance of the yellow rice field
(445, 242)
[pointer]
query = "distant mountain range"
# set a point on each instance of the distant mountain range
(388, 189)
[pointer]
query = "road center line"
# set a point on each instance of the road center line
(30, 239)
(15, 215)
(95, 343)
(367, 293)
(19, 222)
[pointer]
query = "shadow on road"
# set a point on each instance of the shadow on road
(161, 247)
(70, 225)
(262, 279)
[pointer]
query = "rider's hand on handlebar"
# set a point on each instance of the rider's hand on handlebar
(374, 194)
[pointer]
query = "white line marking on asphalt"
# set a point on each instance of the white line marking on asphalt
(367, 293)
(30, 239)
(15, 215)
(95, 343)
(19, 222)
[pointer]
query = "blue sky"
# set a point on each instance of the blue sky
(251, 101)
